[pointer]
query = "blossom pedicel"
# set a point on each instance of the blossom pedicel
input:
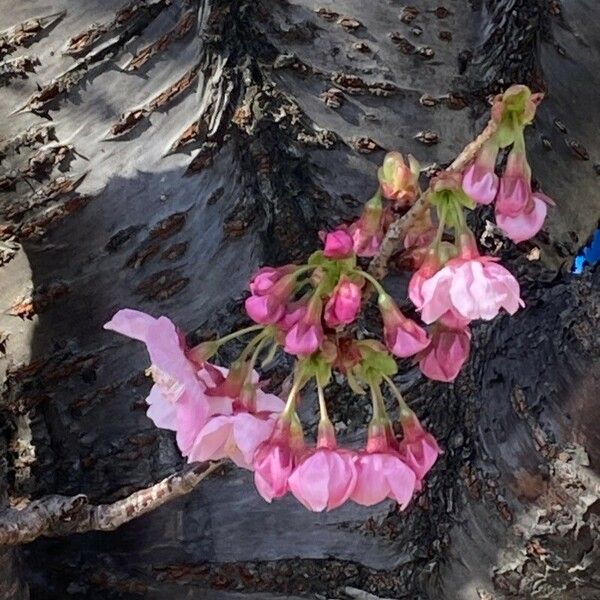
(315, 313)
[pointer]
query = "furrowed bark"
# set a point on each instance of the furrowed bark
(155, 159)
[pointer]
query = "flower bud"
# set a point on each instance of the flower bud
(399, 181)
(402, 335)
(338, 244)
(480, 181)
(344, 304)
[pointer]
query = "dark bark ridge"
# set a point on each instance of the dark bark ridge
(292, 110)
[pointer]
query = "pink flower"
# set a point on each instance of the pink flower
(381, 474)
(325, 477)
(177, 400)
(430, 266)
(481, 287)
(480, 181)
(266, 277)
(338, 244)
(519, 212)
(402, 335)
(443, 359)
(470, 287)
(269, 306)
(367, 232)
(232, 436)
(307, 334)
(418, 449)
(275, 459)
(344, 304)
(398, 180)
(526, 224)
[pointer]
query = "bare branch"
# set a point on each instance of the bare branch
(62, 515)
(397, 230)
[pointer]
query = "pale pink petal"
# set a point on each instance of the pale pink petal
(400, 479)
(371, 484)
(310, 482)
(249, 432)
(523, 225)
(161, 411)
(436, 295)
(212, 440)
(268, 402)
(132, 323)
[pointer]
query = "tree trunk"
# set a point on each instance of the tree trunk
(165, 149)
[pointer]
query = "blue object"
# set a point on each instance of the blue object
(588, 256)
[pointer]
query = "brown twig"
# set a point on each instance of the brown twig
(397, 230)
(62, 515)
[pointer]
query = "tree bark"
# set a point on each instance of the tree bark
(158, 153)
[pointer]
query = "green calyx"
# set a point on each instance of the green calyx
(515, 109)
(376, 363)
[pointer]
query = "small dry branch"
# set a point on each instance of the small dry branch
(62, 515)
(397, 231)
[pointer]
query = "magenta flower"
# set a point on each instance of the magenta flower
(443, 359)
(275, 459)
(266, 277)
(307, 334)
(177, 400)
(402, 335)
(344, 304)
(480, 181)
(381, 473)
(418, 449)
(268, 306)
(325, 477)
(338, 244)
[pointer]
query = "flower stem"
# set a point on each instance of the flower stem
(441, 226)
(322, 404)
(290, 406)
(404, 408)
(378, 287)
(238, 333)
(379, 412)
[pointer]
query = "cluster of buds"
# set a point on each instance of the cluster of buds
(310, 311)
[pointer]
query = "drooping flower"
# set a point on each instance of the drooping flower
(268, 306)
(325, 477)
(470, 286)
(238, 435)
(480, 181)
(519, 212)
(178, 398)
(266, 277)
(367, 232)
(344, 304)
(418, 448)
(275, 459)
(402, 335)
(443, 359)
(382, 473)
(306, 335)
(338, 244)
(398, 180)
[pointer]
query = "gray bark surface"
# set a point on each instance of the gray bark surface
(159, 158)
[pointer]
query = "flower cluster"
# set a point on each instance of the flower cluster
(310, 311)
(520, 212)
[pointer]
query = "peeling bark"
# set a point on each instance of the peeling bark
(247, 128)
